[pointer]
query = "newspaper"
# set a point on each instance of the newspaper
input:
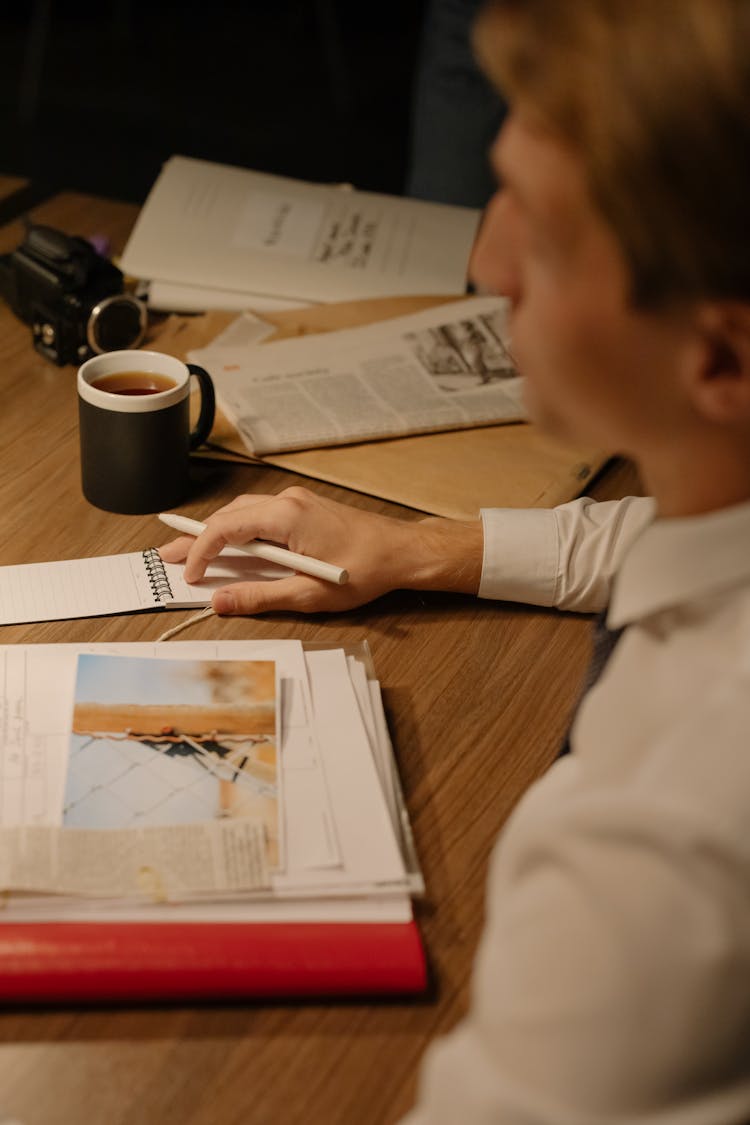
(447, 368)
(168, 863)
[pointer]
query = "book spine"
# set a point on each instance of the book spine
(97, 961)
(157, 576)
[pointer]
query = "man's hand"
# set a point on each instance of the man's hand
(380, 553)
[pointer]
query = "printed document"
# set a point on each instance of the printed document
(215, 226)
(446, 368)
(341, 835)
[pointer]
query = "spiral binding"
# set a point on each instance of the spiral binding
(157, 576)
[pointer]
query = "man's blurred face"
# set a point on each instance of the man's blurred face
(597, 371)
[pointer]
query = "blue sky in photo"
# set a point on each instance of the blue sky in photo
(133, 679)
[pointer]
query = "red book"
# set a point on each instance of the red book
(42, 962)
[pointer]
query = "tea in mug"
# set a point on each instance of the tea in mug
(133, 383)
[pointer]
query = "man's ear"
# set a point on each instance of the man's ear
(720, 376)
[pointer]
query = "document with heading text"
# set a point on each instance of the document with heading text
(215, 226)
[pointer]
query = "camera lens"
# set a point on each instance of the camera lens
(117, 322)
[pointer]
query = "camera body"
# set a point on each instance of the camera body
(70, 295)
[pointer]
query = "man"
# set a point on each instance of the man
(613, 978)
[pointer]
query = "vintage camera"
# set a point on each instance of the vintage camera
(70, 295)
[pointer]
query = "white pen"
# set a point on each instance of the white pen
(267, 551)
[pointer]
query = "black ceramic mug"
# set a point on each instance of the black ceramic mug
(134, 425)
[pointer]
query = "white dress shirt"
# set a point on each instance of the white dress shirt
(612, 982)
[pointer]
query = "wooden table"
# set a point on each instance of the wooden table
(9, 184)
(478, 696)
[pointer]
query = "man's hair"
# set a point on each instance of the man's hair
(654, 95)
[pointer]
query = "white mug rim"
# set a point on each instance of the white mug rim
(129, 359)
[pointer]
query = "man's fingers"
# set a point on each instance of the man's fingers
(262, 520)
(176, 550)
(244, 501)
(295, 593)
(224, 528)
(202, 551)
(276, 518)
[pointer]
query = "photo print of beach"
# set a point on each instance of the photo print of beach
(465, 353)
(158, 742)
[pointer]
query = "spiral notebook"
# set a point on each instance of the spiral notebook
(109, 584)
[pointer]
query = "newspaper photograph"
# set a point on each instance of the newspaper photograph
(446, 368)
(174, 742)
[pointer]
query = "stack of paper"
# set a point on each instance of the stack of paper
(214, 236)
(226, 813)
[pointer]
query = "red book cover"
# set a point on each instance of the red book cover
(93, 962)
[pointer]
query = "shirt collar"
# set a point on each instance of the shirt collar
(678, 560)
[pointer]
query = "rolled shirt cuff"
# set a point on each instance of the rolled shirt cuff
(521, 555)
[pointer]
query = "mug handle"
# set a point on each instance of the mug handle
(208, 406)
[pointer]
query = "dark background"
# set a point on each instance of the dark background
(94, 96)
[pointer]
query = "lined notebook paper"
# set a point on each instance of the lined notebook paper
(95, 587)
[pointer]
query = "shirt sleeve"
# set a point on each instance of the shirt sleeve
(611, 980)
(564, 556)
